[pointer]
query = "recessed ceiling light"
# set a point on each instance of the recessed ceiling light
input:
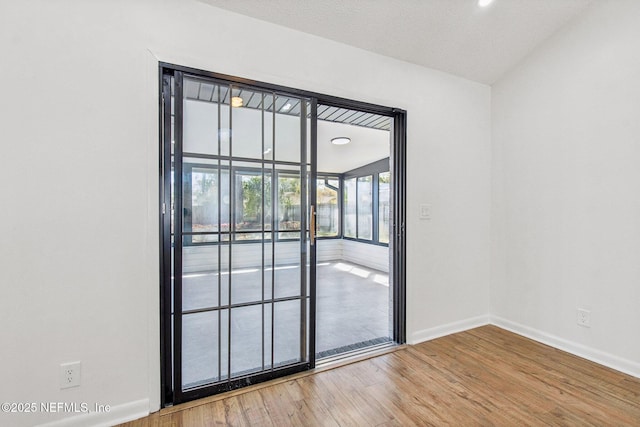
(341, 140)
(236, 101)
(484, 3)
(286, 107)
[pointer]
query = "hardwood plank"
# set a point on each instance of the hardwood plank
(215, 414)
(621, 385)
(510, 391)
(279, 405)
(411, 408)
(351, 397)
(484, 376)
(573, 384)
(457, 401)
(307, 390)
(254, 410)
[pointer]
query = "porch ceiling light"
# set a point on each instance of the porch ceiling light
(340, 140)
(236, 101)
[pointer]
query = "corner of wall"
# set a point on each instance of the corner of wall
(450, 328)
(603, 358)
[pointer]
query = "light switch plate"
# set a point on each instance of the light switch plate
(425, 212)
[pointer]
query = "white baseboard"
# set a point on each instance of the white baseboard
(448, 329)
(140, 408)
(609, 360)
(117, 414)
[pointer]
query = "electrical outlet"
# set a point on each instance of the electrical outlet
(584, 318)
(70, 374)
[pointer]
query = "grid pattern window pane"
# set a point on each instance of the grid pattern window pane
(231, 195)
(249, 214)
(328, 208)
(289, 206)
(350, 208)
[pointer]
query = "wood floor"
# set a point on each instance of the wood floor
(485, 376)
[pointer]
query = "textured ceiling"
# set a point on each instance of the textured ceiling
(454, 36)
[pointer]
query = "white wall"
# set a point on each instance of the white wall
(566, 201)
(372, 256)
(79, 224)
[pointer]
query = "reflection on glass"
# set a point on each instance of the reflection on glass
(201, 204)
(246, 333)
(200, 278)
(206, 118)
(246, 283)
(267, 315)
(200, 353)
(287, 128)
(246, 124)
(286, 269)
(269, 116)
(287, 332)
(204, 187)
(224, 129)
(384, 180)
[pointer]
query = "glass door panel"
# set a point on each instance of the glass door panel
(239, 264)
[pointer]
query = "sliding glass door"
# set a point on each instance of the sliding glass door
(236, 248)
(242, 204)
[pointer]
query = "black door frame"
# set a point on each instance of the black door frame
(397, 238)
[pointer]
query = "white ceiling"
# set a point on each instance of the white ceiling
(454, 36)
(366, 146)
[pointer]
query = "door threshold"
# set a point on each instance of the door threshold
(356, 355)
(326, 364)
